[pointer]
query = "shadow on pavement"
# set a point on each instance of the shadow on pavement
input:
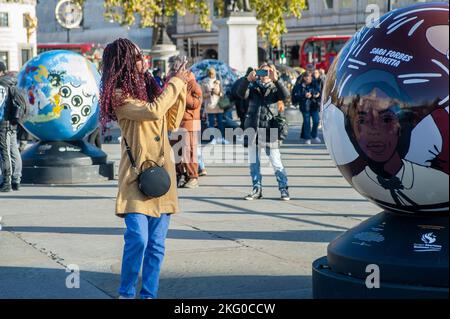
(274, 215)
(277, 199)
(204, 184)
(52, 197)
(45, 283)
(283, 214)
(198, 234)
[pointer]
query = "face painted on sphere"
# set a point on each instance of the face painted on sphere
(376, 127)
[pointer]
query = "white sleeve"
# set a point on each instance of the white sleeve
(336, 138)
(426, 142)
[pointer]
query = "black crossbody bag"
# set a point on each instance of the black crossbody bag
(153, 181)
(279, 122)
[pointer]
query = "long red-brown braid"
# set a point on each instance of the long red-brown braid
(119, 72)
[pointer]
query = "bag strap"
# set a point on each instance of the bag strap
(130, 155)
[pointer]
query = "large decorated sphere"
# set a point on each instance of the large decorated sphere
(386, 110)
(62, 90)
(224, 72)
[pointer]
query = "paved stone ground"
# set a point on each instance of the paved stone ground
(219, 247)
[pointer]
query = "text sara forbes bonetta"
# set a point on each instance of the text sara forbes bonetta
(390, 57)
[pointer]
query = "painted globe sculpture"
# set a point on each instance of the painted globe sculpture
(62, 90)
(224, 72)
(386, 110)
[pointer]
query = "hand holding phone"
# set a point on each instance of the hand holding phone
(179, 64)
(262, 73)
(252, 77)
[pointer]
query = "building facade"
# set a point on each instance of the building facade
(322, 17)
(94, 27)
(17, 32)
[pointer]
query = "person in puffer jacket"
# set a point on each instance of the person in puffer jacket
(263, 93)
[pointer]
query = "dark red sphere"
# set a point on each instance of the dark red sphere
(386, 110)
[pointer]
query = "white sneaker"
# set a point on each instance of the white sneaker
(225, 142)
(213, 142)
(308, 142)
(122, 297)
(317, 140)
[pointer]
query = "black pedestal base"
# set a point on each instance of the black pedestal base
(410, 252)
(330, 285)
(71, 162)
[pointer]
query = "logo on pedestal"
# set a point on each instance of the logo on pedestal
(428, 240)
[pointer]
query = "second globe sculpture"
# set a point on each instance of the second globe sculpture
(386, 126)
(61, 89)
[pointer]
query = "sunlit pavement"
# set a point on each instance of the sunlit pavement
(220, 246)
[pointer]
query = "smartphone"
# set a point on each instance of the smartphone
(262, 73)
(179, 61)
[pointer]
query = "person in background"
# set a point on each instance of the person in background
(22, 137)
(203, 125)
(201, 163)
(11, 102)
(95, 138)
(323, 75)
(212, 92)
(264, 92)
(157, 75)
(241, 104)
(317, 78)
(190, 130)
(307, 95)
(323, 78)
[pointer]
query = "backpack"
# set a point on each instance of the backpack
(18, 106)
(14, 107)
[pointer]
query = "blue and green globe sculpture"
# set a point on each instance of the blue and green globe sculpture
(61, 89)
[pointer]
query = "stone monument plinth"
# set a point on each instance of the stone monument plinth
(238, 40)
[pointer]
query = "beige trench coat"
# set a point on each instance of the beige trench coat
(141, 124)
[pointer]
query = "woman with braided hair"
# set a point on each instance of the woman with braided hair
(145, 114)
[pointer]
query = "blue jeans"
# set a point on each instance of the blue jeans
(254, 155)
(211, 121)
(144, 246)
(201, 163)
(308, 132)
(10, 158)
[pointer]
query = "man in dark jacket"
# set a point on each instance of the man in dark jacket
(241, 104)
(11, 161)
(263, 91)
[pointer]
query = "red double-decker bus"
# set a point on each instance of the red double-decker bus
(92, 51)
(321, 51)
